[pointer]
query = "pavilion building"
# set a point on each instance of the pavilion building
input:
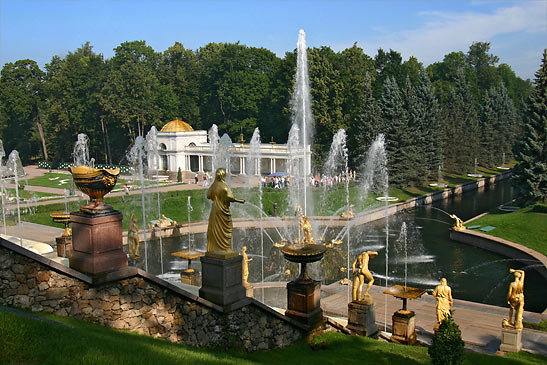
(180, 146)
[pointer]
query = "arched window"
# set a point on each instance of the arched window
(162, 146)
(192, 144)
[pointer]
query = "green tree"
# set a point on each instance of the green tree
(530, 173)
(399, 143)
(235, 86)
(72, 88)
(388, 64)
(132, 96)
(326, 91)
(180, 69)
(461, 128)
(484, 65)
(21, 98)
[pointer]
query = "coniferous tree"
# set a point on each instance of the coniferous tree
(398, 140)
(530, 174)
(461, 129)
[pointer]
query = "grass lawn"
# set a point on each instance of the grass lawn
(26, 194)
(28, 341)
(523, 226)
(58, 180)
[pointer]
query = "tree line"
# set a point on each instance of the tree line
(445, 115)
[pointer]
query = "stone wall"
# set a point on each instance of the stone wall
(135, 300)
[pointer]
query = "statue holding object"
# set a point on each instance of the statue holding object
(219, 230)
(443, 295)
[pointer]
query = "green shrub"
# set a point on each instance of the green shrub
(179, 175)
(539, 208)
(447, 346)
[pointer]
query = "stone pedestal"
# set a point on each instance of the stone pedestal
(221, 281)
(304, 303)
(97, 242)
(249, 290)
(404, 327)
(64, 246)
(190, 277)
(511, 340)
(362, 319)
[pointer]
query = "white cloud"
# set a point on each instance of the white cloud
(444, 32)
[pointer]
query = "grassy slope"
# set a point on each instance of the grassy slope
(29, 341)
(522, 226)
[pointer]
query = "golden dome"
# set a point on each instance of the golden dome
(177, 125)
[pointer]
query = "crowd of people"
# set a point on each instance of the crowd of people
(279, 182)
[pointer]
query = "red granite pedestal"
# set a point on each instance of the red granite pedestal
(303, 301)
(97, 242)
(64, 246)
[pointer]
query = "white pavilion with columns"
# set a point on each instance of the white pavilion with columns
(180, 146)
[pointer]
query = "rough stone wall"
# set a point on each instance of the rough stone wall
(140, 305)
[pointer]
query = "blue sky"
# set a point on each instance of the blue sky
(427, 30)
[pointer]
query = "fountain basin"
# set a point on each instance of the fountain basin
(439, 185)
(474, 175)
(387, 199)
(303, 254)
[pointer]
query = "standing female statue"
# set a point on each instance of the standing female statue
(219, 231)
(515, 299)
(443, 295)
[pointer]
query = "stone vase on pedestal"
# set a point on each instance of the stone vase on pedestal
(362, 318)
(97, 242)
(221, 281)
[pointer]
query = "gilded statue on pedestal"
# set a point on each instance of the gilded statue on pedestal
(443, 295)
(515, 299)
(305, 233)
(360, 275)
(219, 231)
(245, 266)
(458, 226)
(133, 238)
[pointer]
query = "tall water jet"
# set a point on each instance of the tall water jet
(337, 163)
(254, 160)
(81, 150)
(15, 169)
(2, 187)
(152, 152)
(213, 142)
(302, 116)
(223, 156)
(402, 241)
(137, 157)
(189, 210)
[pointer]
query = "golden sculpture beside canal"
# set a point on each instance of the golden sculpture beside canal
(360, 275)
(515, 299)
(458, 226)
(219, 231)
(443, 295)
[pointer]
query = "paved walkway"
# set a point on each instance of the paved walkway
(480, 323)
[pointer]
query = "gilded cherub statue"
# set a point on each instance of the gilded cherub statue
(443, 295)
(219, 230)
(305, 233)
(360, 275)
(515, 299)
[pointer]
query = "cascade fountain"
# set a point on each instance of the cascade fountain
(213, 141)
(15, 169)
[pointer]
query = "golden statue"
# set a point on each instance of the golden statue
(304, 235)
(133, 238)
(245, 266)
(360, 275)
(165, 222)
(349, 214)
(515, 299)
(219, 231)
(443, 295)
(458, 226)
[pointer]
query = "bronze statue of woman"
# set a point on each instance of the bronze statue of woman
(219, 231)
